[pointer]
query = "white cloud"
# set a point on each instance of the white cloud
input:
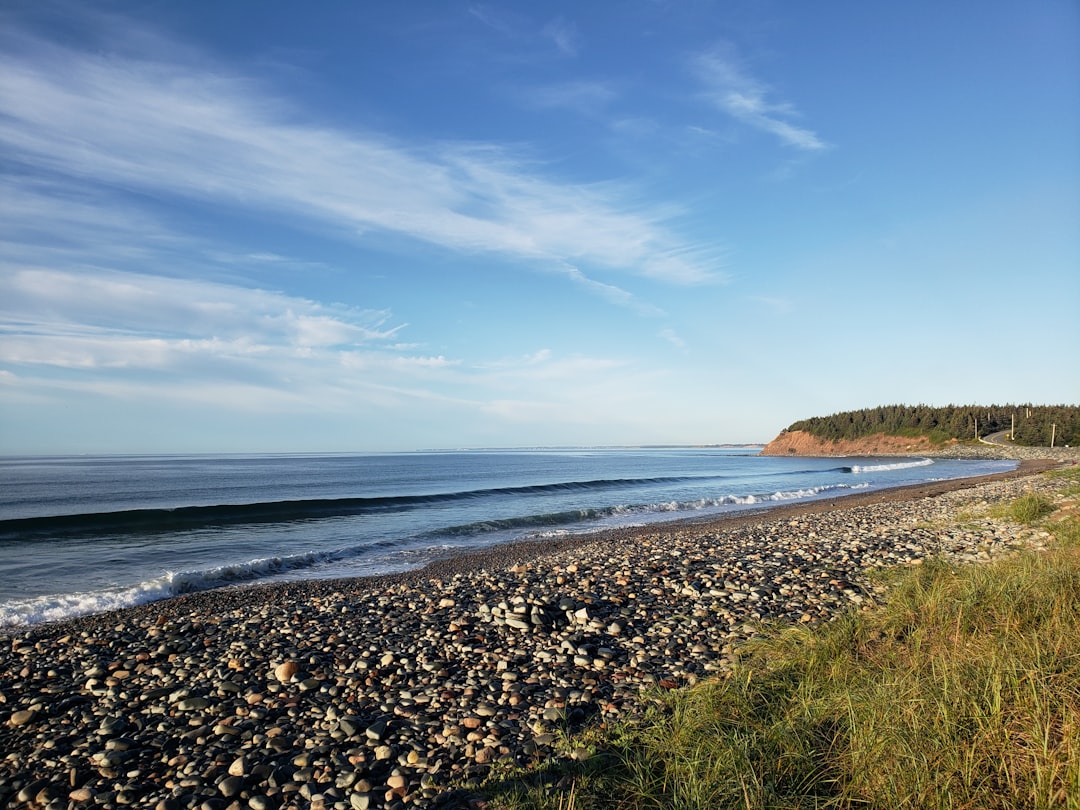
(140, 341)
(731, 89)
(183, 130)
(46, 220)
(490, 18)
(672, 337)
(611, 293)
(537, 357)
(546, 389)
(171, 306)
(581, 96)
(115, 319)
(779, 306)
(524, 411)
(565, 35)
(377, 361)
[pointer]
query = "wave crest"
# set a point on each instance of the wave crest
(197, 516)
(899, 465)
(57, 607)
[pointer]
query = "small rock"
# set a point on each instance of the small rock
(21, 718)
(231, 786)
(284, 672)
(376, 731)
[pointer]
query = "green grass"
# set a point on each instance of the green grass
(962, 690)
(1027, 509)
(1070, 477)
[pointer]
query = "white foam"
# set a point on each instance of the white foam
(56, 607)
(899, 465)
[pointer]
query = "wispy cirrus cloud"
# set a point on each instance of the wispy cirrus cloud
(611, 293)
(140, 339)
(545, 387)
(50, 220)
(582, 96)
(491, 17)
(672, 337)
(108, 318)
(565, 35)
(778, 306)
(730, 88)
(179, 128)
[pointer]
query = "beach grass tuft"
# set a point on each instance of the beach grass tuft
(1028, 509)
(960, 690)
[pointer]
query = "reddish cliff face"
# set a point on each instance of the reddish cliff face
(800, 443)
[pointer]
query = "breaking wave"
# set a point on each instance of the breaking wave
(189, 517)
(899, 465)
(173, 583)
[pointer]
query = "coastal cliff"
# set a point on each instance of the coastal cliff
(801, 443)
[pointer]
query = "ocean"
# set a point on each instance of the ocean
(86, 534)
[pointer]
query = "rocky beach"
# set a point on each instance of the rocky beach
(408, 690)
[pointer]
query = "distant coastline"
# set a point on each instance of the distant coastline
(571, 447)
(802, 443)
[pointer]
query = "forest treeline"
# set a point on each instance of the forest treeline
(1032, 425)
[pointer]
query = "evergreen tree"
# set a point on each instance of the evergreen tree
(1032, 425)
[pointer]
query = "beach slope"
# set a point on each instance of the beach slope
(397, 690)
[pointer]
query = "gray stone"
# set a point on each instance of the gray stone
(230, 786)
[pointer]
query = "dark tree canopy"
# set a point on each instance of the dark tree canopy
(1032, 425)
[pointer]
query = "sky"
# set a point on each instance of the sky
(348, 227)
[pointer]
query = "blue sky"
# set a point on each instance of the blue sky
(251, 226)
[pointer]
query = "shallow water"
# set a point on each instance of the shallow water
(86, 534)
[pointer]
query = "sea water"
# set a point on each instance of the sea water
(87, 534)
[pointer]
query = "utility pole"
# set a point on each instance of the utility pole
(976, 427)
(1012, 430)
(1053, 431)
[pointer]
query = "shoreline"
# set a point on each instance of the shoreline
(519, 552)
(396, 690)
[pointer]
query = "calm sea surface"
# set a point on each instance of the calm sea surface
(85, 534)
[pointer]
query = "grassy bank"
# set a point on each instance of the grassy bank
(961, 690)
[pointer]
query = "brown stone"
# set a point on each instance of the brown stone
(21, 718)
(285, 672)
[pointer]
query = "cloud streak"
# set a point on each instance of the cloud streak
(565, 35)
(173, 128)
(731, 89)
(583, 96)
(72, 320)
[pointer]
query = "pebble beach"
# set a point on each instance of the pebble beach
(407, 690)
